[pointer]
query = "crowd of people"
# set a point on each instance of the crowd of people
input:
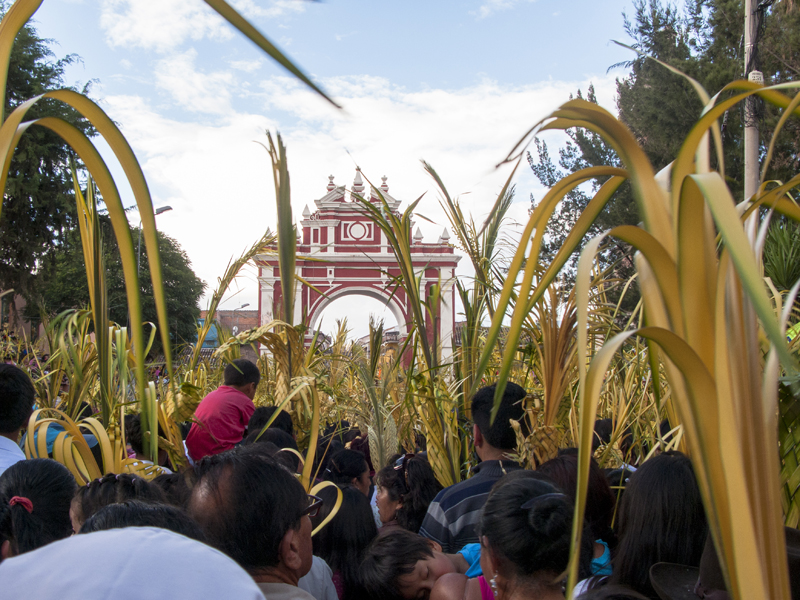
(238, 523)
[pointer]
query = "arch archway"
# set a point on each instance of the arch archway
(383, 297)
(341, 252)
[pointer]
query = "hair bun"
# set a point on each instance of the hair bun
(549, 514)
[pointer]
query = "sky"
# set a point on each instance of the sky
(454, 83)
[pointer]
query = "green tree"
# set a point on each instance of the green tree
(67, 288)
(587, 149)
(38, 202)
(703, 41)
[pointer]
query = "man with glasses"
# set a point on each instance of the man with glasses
(255, 511)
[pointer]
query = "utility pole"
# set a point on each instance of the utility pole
(751, 141)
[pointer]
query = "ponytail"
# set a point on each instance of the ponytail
(35, 497)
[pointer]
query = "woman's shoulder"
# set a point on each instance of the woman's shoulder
(455, 586)
(451, 586)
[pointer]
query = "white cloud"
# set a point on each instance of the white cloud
(191, 89)
(159, 25)
(248, 66)
(274, 8)
(489, 7)
(163, 25)
(220, 184)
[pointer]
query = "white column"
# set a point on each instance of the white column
(331, 238)
(298, 297)
(267, 300)
(267, 294)
(446, 320)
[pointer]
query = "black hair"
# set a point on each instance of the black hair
(350, 435)
(16, 398)
(344, 540)
(278, 440)
(522, 474)
(185, 427)
(344, 466)
(361, 444)
(134, 513)
(246, 504)
(529, 523)
(563, 472)
(270, 451)
(112, 489)
(177, 487)
(326, 447)
(388, 558)
(415, 484)
(603, 428)
(337, 430)
(49, 487)
(241, 372)
(618, 480)
(133, 432)
(263, 414)
(84, 411)
(278, 437)
(661, 519)
(500, 435)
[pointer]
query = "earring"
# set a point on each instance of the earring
(493, 583)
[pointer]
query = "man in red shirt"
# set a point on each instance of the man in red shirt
(222, 416)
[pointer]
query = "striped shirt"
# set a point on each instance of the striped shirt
(453, 516)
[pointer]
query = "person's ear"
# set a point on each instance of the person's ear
(290, 550)
(477, 436)
(434, 545)
(5, 550)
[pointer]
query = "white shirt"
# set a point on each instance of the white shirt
(10, 453)
(283, 591)
(135, 563)
(318, 581)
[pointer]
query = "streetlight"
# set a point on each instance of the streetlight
(236, 327)
(158, 211)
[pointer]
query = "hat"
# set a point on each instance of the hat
(679, 582)
(129, 563)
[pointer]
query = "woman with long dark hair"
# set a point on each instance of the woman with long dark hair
(349, 467)
(563, 472)
(661, 519)
(342, 542)
(405, 490)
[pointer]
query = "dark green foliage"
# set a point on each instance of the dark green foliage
(704, 41)
(587, 149)
(782, 254)
(658, 106)
(789, 440)
(67, 288)
(38, 203)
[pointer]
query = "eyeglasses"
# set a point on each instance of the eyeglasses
(314, 504)
(401, 464)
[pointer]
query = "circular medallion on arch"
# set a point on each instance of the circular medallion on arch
(358, 231)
